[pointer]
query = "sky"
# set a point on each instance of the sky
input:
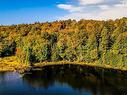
(30, 11)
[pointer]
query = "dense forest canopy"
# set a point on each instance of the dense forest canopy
(102, 42)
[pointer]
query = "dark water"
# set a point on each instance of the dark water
(64, 80)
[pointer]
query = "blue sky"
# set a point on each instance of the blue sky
(30, 11)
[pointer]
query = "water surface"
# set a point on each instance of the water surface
(64, 80)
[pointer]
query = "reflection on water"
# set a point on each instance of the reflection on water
(64, 80)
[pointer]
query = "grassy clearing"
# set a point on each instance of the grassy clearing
(11, 64)
(95, 64)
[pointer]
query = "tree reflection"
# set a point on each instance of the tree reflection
(95, 80)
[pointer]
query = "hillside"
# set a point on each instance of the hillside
(90, 41)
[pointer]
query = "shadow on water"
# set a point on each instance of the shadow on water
(97, 81)
(64, 80)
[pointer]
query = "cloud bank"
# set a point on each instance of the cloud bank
(95, 9)
(89, 2)
(70, 8)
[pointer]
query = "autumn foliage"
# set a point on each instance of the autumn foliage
(103, 42)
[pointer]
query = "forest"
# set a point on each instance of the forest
(100, 42)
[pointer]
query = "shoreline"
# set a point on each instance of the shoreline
(93, 65)
(11, 64)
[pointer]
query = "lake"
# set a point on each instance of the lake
(64, 80)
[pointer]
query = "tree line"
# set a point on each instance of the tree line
(102, 42)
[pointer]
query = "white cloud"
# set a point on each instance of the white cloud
(70, 8)
(76, 16)
(104, 11)
(111, 13)
(104, 7)
(123, 3)
(89, 2)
